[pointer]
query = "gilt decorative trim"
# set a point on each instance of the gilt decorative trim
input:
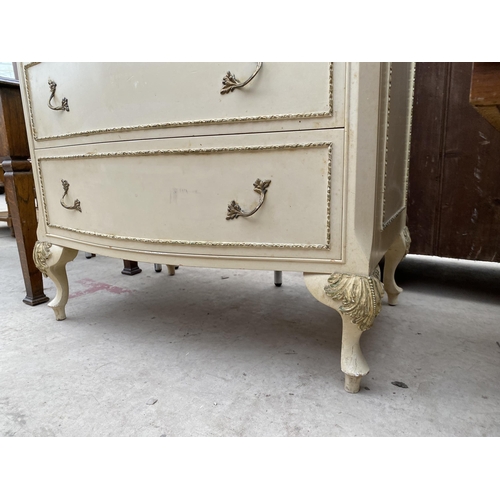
(41, 252)
(410, 121)
(28, 96)
(325, 246)
(386, 223)
(182, 123)
(187, 151)
(189, 242)
(393, 218)
(386, 149)
(361, 297)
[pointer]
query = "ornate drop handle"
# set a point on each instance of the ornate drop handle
(234, 210)
(64, 103)
(76, 205)
(230, 82)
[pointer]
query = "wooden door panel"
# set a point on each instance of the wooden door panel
(431, 82)
(454, 192)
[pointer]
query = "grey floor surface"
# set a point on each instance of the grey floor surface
(226, 353)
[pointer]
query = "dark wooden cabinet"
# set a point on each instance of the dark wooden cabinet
(454, 187)
(485, 91)
(19, 186)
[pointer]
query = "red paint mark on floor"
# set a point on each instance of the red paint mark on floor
(92, 286)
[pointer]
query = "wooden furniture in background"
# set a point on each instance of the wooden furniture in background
(454, 188)
(131, 267)
(5, 214)
(19, 186)
(485, 91)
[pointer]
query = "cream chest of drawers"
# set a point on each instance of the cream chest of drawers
(271, 166)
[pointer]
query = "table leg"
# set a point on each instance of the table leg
(20, 195)
(131, 267)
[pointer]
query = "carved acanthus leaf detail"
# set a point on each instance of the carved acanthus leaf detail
(361, 297)
(407, 239)
(41, 252)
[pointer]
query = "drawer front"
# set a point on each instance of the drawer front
(181, 196)
(103, 98)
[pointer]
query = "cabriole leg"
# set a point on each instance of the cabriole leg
(352, 361)
(51, 260)
(394, 255)
(358, 300)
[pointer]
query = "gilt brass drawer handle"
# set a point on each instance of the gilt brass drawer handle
(76, 205)
(64, 103)
(234, 210)
(230, 82)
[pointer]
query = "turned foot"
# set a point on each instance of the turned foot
(170, 269)
(352, 383)
(394, 255)
(278, 278)
(131, 267)
(358, 300)
(51, 260)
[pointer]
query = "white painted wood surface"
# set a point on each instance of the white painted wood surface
(154, 153)
(118, 97)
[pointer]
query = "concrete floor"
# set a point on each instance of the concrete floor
(226, 353)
